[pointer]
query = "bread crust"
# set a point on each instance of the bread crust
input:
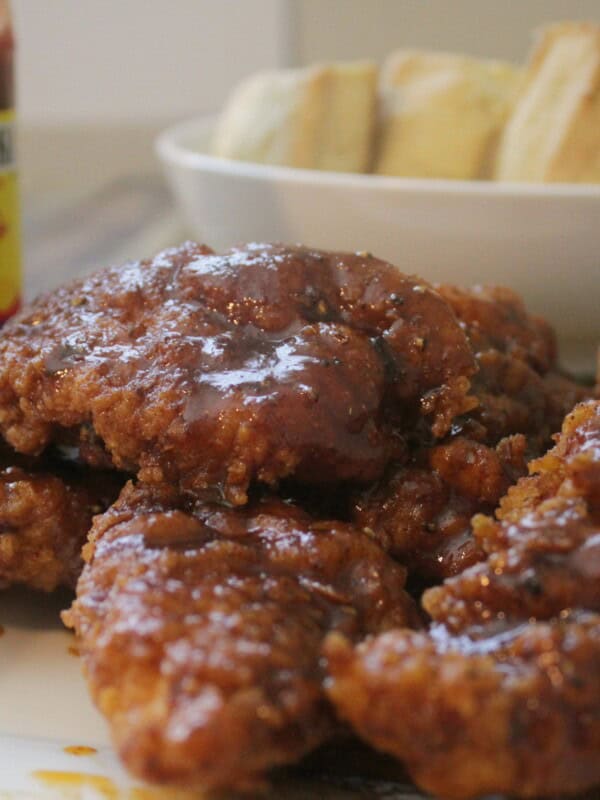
(318, 117)
(553, 134)
(441, 114)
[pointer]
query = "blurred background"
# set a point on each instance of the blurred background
(97, 79)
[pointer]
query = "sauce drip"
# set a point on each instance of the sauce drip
(74, 784)
(80, 750)
(77, 785)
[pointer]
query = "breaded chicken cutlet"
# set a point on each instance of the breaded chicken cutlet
(46, 511)
(503, 693)
(220, 380)
(421, 511)
(214, 371)
(201, 627)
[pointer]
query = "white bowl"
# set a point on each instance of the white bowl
(541, 240)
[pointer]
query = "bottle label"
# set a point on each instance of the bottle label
(10, 251)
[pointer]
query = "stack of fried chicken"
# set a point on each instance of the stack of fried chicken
(317, 495)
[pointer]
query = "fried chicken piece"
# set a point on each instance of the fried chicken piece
(518, 385)
(46, 512)
(495, 318)
(544, 550)
(213, 371)
(422, 513)
(503, 693)
(201, 630)
(422, 509)
(516, 713)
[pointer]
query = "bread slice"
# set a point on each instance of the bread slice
(441, 114)
(319, 117)
(554, 131)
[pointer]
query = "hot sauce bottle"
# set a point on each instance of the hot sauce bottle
(10, 249)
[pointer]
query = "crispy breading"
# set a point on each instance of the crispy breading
(213, 371)
(503, 693)
(201, 627)
(542, 553)
(46, 511)
(422, 509)
(515, 713)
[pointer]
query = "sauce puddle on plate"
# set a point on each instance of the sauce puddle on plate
(79, 785)
(72, 784)
(80, 750)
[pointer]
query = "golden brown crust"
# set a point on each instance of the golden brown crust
(315, 117)
(441, 114)
(503, 693)
(422, 513)
(542, 554)
(553, 133)
(45, 514)
(495, 318)
(214, 371)
(201, 630)
(422, 509)
(518, 713)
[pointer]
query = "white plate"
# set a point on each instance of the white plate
(542, 240)
(45, 708)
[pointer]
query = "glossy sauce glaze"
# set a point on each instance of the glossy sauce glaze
(502, 694)
(422, 508)
(216, 370)
(201, 630)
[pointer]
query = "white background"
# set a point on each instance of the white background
(98, 79)
(134, 61)
(120, 61)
